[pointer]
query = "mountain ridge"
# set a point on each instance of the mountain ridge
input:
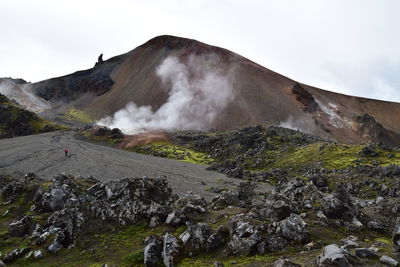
(259, 95)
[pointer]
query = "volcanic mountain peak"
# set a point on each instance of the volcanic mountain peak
(173, 83)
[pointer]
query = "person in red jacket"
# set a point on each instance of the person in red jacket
(66, 152)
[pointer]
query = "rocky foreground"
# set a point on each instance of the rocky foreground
(139, 221)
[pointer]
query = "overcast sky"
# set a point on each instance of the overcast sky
(347, 46)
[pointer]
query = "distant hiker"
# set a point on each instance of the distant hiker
(66, 152)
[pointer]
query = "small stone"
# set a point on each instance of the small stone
(38, 254)
(54, 247)
(285, 263)
(365, 253)
(154, 221)
(388, 261)
(218, 264)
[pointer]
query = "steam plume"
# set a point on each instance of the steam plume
(23, 95)
(198, 91)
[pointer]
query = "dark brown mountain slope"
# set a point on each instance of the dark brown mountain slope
(260, 96)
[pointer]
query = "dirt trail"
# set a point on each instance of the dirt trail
(43, 154)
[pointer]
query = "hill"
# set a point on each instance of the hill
(177, 83)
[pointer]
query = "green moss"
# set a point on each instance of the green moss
(77, 115)
(173, 151)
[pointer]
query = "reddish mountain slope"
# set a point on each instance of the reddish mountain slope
(259, 95)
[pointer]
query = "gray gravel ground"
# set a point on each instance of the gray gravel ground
(43, 155)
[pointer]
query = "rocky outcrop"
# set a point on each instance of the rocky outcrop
(306, 100)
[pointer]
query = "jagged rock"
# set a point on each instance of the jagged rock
(174, 218)
(244, 236)
(319, 181)
(368, 151)
(131, 199)
(155, 221)
(68, 222)
(388, 261)
(277, 210)
(396, 236)
(273, 243)
(12, 190)
(170, 250)
(191, 203)
(339, 205)
(153, 246)
(57, 195)
(196, 239)
(21, 227)
(2, 264)
(54, 247)
(350, 242)
(218, 264)
(246, 190)
(285, 263)
(38, 254)
(333, 255)
(365, 253)
(228, 198)
(293, 228)
(15, 254)
(375, 225)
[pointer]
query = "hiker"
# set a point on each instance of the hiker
(66, 152)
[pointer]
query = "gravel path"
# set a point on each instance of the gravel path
(43, 155)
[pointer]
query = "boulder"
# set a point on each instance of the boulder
(21, 227)
(365, 253)
(339, 205)
(195, 239)
(396, 237)
(333, 255)
(54, 247)
(15, 254)
(388, 261)
(170, 252)
(153, 246)
(175, 218)
(293, 228)
(245, 236)
(57, 195)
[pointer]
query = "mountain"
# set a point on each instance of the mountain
(16, 121)
(251, 94)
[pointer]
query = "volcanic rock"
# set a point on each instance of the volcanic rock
(293, 228)
(153, 246)
(332, 255)
(170, 252)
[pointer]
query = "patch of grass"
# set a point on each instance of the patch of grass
(173, 151)
(77, 115)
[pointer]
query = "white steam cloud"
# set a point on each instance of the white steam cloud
(198, 91)
(22, 94)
